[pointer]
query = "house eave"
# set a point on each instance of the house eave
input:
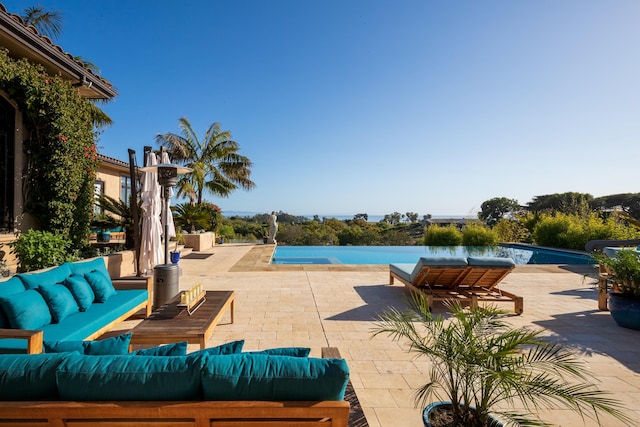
(25, 42)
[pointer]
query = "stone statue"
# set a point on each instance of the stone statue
(273, 228)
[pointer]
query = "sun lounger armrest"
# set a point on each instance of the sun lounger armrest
(33, 337)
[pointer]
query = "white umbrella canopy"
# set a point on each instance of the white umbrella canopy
(151, 252)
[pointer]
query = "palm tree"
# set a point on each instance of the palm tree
(217, 166)
(47, 22)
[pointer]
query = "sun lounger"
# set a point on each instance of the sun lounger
(470, 279)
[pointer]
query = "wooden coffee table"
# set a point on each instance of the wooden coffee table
(170, 323)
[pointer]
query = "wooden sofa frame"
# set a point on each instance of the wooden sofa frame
(34, 337)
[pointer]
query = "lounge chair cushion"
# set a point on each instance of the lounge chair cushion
(26, 310)
(122, 377)
(175, 349)
(81, 291)
(60, 301)
(491, 262)
(29, 377)
(101, 285)
(114, 345)
(265, 377)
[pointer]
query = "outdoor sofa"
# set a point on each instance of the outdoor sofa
(216, 386)
(467, 279)
(73, 301)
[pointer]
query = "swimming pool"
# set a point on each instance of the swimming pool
(521, 254)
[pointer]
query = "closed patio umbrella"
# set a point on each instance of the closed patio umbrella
(151, 243)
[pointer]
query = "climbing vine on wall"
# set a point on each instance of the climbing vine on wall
(59, 147)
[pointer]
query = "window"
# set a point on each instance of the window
(125, 189)
(98, 190)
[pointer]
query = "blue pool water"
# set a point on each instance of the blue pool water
(410, 254)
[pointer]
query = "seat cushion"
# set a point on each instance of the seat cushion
(81, 291)
(26, 310)
(60, 301)
(264, 377)
(104, 378)
(29, 376)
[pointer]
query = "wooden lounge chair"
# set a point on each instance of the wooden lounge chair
(470, 279)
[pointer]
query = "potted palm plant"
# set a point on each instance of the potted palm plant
(480, 363)
(624, 299)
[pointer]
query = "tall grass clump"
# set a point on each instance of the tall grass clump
(434, 235)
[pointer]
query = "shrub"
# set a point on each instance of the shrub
(435, 235)
(477, 235)
(40, 249)
(509, 230)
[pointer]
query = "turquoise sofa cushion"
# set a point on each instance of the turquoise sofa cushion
(29, 376)
(81, 291)
(9, 287)
(114, 345)
(175, 349)
(284, 351)
(84, 267)
(60, 301)
(79, 326)
(52, 276)
(264, 377)
(26, 310)
(491, 262)
(232, 347)
(101, 285)
(104, 378)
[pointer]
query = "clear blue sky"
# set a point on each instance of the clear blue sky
(376, 106)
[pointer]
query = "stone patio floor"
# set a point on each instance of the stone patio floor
(335, 306)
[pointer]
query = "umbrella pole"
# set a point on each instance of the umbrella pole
(166, 224)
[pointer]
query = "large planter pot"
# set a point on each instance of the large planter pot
(103, 236)
(175, 257)
(436, 406)
(625, 311)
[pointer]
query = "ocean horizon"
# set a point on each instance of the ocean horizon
(371, 218)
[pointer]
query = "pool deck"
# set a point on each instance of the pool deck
(336, 305)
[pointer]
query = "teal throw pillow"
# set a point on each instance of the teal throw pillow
(60, 301)
(81, 291)
(109, 346)
(9, 287)
(176, 349)
(285, 351)
(264, 377)
(121, 378)
(101, 285)
(29, 376)
(227, 348)
(26, 310)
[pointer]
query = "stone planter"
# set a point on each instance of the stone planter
(442, 405)
(199, 242)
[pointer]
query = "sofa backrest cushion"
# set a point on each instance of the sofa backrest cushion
(101, 285)
(114, 345)
(175, 349)
(29, 376)
(26, 310)
(100, 378)
(81, 291)
(9, 287)
(265, 377)
(284, 351)
(60, 301)
(52, 276)
(84, 267)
